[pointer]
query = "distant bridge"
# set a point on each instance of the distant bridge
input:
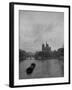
(30, 57)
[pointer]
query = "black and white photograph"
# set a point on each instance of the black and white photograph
(39, 44)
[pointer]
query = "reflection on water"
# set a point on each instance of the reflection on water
(43, 69)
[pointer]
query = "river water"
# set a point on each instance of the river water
(43, 69)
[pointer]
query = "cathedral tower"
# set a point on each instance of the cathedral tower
(43, 47)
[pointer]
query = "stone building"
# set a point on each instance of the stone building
(46, 48)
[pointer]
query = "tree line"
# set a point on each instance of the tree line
(40, 55)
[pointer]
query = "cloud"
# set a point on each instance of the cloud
(38, 27)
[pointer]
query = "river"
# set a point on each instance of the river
(43, 69)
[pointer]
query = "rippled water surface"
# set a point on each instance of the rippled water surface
(43, 69)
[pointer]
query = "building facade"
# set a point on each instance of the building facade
(46, 48)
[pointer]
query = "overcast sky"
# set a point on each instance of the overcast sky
(37, 27)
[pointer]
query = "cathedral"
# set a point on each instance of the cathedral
(46, 48)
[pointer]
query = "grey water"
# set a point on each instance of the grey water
(43, 69)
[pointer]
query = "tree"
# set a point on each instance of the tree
(22, 55)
